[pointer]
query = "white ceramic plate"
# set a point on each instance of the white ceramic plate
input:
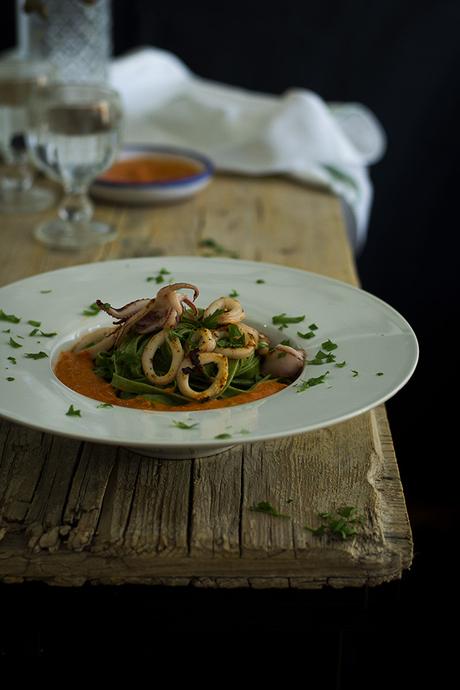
(156, 192)
(371, 336)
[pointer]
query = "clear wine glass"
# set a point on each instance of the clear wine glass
(19, 82)
(74, 136)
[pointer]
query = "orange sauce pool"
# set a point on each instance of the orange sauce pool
(76, 372)
(145, 169)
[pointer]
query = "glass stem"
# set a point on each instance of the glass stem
(76, 207)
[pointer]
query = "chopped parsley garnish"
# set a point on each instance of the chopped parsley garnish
(35, 355)
(233, 293)
(307, 335)
(340, 365)
(10, 378)
(183, 425)
(235, 338)
(341, 524)
(283, 320)
(244, 431)
(7, 330)
(313, 327)
(45, 292)
(216, 249)
(355, 373)
(12, 318)
(379, 373)
(92, 310)
(160, 276)
(223, 436)
(322, 358)
(105, 405)
(212, 321)
(268, 509)
(309, 383)
(13, 343)
(12, 360)
(328, 345)
(37, 324)
(73, 412)
(40, 334)
(260, 281)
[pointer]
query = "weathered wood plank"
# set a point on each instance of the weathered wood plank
(216, 495)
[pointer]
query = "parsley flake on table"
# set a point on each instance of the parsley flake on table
(73, 412)
(216, 249)
(341, 523)
(92, 310)
(13, 343)
(12, 360)
(11, 318)
(309, 383)
(183, 425)
(283, 320)
(35, 355)
(267, 508)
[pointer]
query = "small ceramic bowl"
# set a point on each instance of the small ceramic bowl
(198, 171)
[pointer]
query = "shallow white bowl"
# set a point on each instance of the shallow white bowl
(378, 345)
(156, 192)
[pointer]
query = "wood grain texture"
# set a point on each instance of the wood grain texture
(73, 512)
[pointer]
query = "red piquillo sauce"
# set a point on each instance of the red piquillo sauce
(75, 370)
(145, 170)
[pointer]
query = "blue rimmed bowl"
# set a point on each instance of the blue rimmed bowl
(156, 191)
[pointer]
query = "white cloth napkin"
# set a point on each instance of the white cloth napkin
(296, 134)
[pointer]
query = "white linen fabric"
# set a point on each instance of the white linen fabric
(295, 134)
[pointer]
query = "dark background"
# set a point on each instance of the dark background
(402, 60)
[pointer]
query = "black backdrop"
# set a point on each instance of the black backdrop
(401, 59)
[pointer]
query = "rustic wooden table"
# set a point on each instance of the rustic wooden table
(74, 512)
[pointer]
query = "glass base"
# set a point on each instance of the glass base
(60, 234)
(26, 201)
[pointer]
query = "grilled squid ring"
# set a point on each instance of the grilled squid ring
(149, 354)
(216, 387)
(204, 340)
(94, 342)
(251, 338)
(233, 311)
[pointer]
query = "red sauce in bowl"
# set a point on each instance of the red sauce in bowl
(151, 169)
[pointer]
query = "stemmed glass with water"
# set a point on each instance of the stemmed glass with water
(20, 81)
(74, 135)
